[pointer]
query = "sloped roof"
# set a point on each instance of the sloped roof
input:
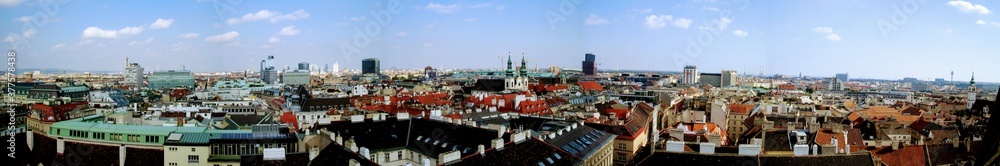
(906, 155)
(530, 152)
(634, 125)
(590, 85)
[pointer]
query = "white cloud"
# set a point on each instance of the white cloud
(682, 23)
(654, 21)
(230, 36)
(270, 16)
(470, 19)
(647, 10)
(429, 26)
(968, 7)
(828, 31)
(10, 38)
(481, 5)
(58, 46)
(714, 9)
(24, 19)
(95, 32)
(832, 37)
(29, 33)
(740, 33)
(10, 2)
(85, 42)
(289, 31)
(595, 20)
(189, 35)
(147, 41)
(401, 34)
(131, 30)
(500, 7)
(428, 44)
(161, 23)
(362, 18)
(442, 8)
(718, 25)
(825, 30)
(273, 40)
(981, 22)
(995, 24)
(298, 14)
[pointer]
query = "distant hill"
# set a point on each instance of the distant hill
(60, 71)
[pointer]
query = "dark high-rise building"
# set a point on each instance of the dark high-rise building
(267, 72)
(370, 66)
(589, 65)
(304, 66)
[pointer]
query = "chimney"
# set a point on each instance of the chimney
(921, 141)
(895, 145)
(768, 125)
(677, 133)
(815, 150)
(339, 140)
(847, 144)
(365, 153)
(351, 145)
(482, 150)
(813, 127)
(498, 144)
(715, 139)
(791, 126)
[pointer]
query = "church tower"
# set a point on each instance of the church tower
(972, 92)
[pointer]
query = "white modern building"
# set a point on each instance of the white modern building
(729, 78)
(133, 75)
(690, 75)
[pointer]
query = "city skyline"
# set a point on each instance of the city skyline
(885, 40)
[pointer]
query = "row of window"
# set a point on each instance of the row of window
(242, 149)
(175, 149)
(113, 136)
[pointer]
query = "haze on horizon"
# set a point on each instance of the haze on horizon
(887, 40)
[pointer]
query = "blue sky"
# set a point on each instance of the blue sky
(869, 39)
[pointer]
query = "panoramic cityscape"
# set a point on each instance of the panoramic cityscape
(565, 82)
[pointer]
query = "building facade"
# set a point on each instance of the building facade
(714, 79)
(298, 77)
(729, 78)
(690, 75)
(370, 66)
(589, 64)
(842, 76)
(133, 75)
(171, 79)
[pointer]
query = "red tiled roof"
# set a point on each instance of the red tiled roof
(823, 137)
(906, 155)
(740, 108)
(590, 85)
(289, 118)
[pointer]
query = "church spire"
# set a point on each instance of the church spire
(973, 81)
(510, 69)
(523, 71)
